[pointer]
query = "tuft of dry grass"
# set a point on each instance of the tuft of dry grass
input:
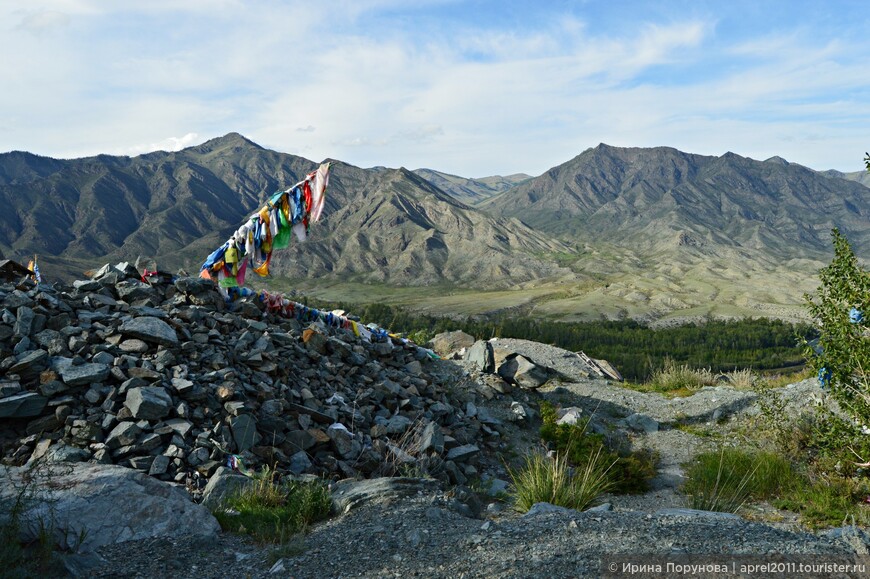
(551, 480)
(671, 377)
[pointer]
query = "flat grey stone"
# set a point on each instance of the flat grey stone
(602, 508)
(31, 364)
(149, 402)
(462, 453)
(134, 346)
(150, 329)
(84, 374)
(23, 405)
(547, 508)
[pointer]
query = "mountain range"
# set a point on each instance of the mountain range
(652, 233)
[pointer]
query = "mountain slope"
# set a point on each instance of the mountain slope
(382, 225)
(862, 177)
(402, 230)
(661, 199)
(471, 191)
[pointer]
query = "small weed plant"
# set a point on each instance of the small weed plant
(744, 379)
(36, 558)
(274, 511)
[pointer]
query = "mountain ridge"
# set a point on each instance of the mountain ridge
(173, 206)
(613, 232)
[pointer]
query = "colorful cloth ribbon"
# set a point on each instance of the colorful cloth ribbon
(286, 213)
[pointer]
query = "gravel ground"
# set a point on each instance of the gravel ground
(421, 536)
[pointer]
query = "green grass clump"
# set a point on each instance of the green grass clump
(829, 502)
(726, 480)
(551, 480)
(272, 511)
(630, 471)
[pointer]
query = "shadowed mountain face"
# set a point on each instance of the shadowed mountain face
(175, 208)
(394, 227)
(655, 200)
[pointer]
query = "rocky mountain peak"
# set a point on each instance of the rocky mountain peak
(231, 142)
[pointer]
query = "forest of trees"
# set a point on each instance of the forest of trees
(635, 349)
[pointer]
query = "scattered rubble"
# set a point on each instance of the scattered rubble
(168, 380)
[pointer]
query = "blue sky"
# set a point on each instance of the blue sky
(470, 88)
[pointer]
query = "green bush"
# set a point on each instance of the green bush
(551, 480)
(273, 511)
(631, 471)
(841, 307)
(725, 480)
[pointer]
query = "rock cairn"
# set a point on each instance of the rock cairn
(166, 379)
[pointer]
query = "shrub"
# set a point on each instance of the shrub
(841, 307)
(551, 480)
(725, 480)
(273, 511)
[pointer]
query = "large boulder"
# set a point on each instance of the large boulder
(447, 342)
(523, 372)
(481, 355)
(150, 329)
(88, 506)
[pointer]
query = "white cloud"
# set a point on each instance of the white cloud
(168, 144)
(42, 21)
(322, 79)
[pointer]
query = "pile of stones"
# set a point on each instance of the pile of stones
(167, 379)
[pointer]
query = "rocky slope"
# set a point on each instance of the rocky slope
(166, 380)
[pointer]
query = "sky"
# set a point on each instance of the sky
(472, 88)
